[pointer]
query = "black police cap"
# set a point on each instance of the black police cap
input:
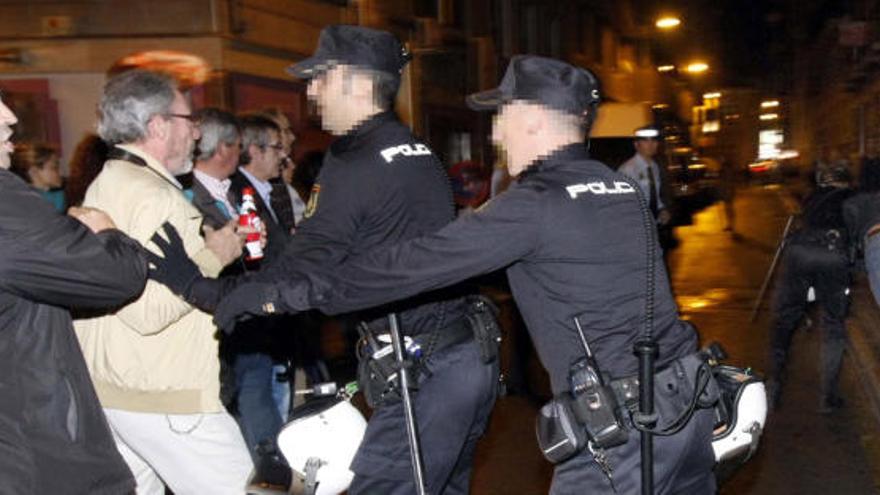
(353, 45)
(548, 81)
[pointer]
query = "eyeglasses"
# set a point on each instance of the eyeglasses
(275, 146)
(190, 117)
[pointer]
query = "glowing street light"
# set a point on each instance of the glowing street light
(711, 96)
(770, 104)
(696, 67)
(665, 68)
(668, 22)
(769, 116)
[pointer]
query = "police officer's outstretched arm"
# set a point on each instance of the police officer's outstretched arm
(502, 232)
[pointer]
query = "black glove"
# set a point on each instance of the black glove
(246, 301)
(175, 270)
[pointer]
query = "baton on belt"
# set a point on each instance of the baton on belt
(415, 452)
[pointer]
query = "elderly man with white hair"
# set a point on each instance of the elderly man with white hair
(155, 362)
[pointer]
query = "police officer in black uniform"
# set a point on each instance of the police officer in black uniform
(571, 234)
(380, 185)
(817, 256)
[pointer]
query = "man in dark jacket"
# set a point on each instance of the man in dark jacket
(216, 160)
(817, 257)
(256, 345)
(53, 435)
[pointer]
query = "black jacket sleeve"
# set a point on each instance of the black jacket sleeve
(54, 259)
(503, 231)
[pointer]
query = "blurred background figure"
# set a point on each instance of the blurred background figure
(817, 257)
(37, 164)
(643, 168)
(216, 159)
(727, 192)
(281, 197)
(87, 161)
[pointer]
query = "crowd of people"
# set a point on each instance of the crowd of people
(143, 393)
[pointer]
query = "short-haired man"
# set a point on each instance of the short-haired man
(154, 362)
(216, 159)
(643, 169)
(284, 199)
(53, 436)
(571, 234)
(262, 151)
(256, 345)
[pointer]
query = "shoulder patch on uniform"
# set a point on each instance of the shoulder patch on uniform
(312, 205)
(404, 149)
(599, 187)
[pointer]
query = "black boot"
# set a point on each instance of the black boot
(271, 470)
(832, 357)
(776, 381)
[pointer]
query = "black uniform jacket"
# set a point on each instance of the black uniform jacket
(53, 435)
(572, 237)
(378, 186)
(822, 212)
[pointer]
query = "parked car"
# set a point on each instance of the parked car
(695, 179)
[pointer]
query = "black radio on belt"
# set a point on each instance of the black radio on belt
(595, 406)
(587, 416)
(593, 403)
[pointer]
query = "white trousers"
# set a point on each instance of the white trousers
(194, 454)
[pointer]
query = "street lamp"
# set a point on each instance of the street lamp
(668, 22)
(665, 68)
(696, 67)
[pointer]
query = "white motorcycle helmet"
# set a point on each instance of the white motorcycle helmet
(320, 442)
(736, 440)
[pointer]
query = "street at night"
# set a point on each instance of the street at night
(716, 277)
(439, 247)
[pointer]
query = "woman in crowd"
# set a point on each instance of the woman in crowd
(37, 164)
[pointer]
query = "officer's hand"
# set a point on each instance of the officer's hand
(246, 301)
(174, 268)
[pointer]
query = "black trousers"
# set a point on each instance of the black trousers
(827, 271)
(682, 464)
(452, 408)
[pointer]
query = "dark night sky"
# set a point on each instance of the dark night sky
(756, 38)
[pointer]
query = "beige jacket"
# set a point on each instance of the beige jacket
(156, 354)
